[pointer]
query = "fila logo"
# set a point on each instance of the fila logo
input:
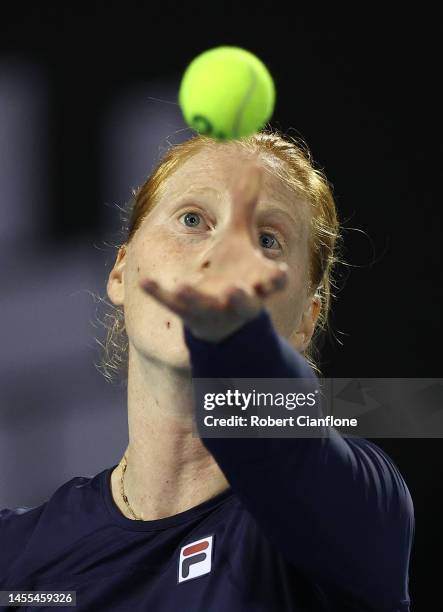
(195, 559)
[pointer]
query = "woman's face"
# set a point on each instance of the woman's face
(189, 218)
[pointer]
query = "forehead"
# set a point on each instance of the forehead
(218, 169)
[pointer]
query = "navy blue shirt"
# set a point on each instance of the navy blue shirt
(307, 524)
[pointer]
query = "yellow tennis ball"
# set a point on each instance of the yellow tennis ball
(227, 92)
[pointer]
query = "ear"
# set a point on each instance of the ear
(302, 335)
(116, 284)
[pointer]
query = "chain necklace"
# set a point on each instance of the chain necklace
(122, 490)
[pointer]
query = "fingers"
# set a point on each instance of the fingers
(195, 299)
(237, 300)
(182, 300)
(167, 298)
(277, 282)
(189, 301)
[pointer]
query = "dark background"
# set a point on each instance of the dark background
(79, 129)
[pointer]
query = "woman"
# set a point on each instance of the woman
(226, 272)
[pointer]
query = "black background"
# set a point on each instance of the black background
(362, 87)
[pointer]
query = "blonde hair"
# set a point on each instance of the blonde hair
(297, 170)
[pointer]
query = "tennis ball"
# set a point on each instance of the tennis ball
(227, 92)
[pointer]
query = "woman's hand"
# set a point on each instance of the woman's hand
(237, 277)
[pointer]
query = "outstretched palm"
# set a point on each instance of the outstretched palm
(236, 279)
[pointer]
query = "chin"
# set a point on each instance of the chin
(169, 350)
(178, 358)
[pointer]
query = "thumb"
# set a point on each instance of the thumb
(246, 193)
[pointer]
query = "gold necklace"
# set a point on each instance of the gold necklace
(122, 490)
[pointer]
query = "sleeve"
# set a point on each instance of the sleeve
(337, 508)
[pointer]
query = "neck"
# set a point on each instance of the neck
(169, 470)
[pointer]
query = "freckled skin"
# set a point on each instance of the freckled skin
(164, 248)
(168, 469)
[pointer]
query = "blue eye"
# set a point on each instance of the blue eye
(192, 220)
(192, 216)
(272, 238)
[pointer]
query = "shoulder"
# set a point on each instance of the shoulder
(26, 514)
(20, 525)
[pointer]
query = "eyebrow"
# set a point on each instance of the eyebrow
(294, 220)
